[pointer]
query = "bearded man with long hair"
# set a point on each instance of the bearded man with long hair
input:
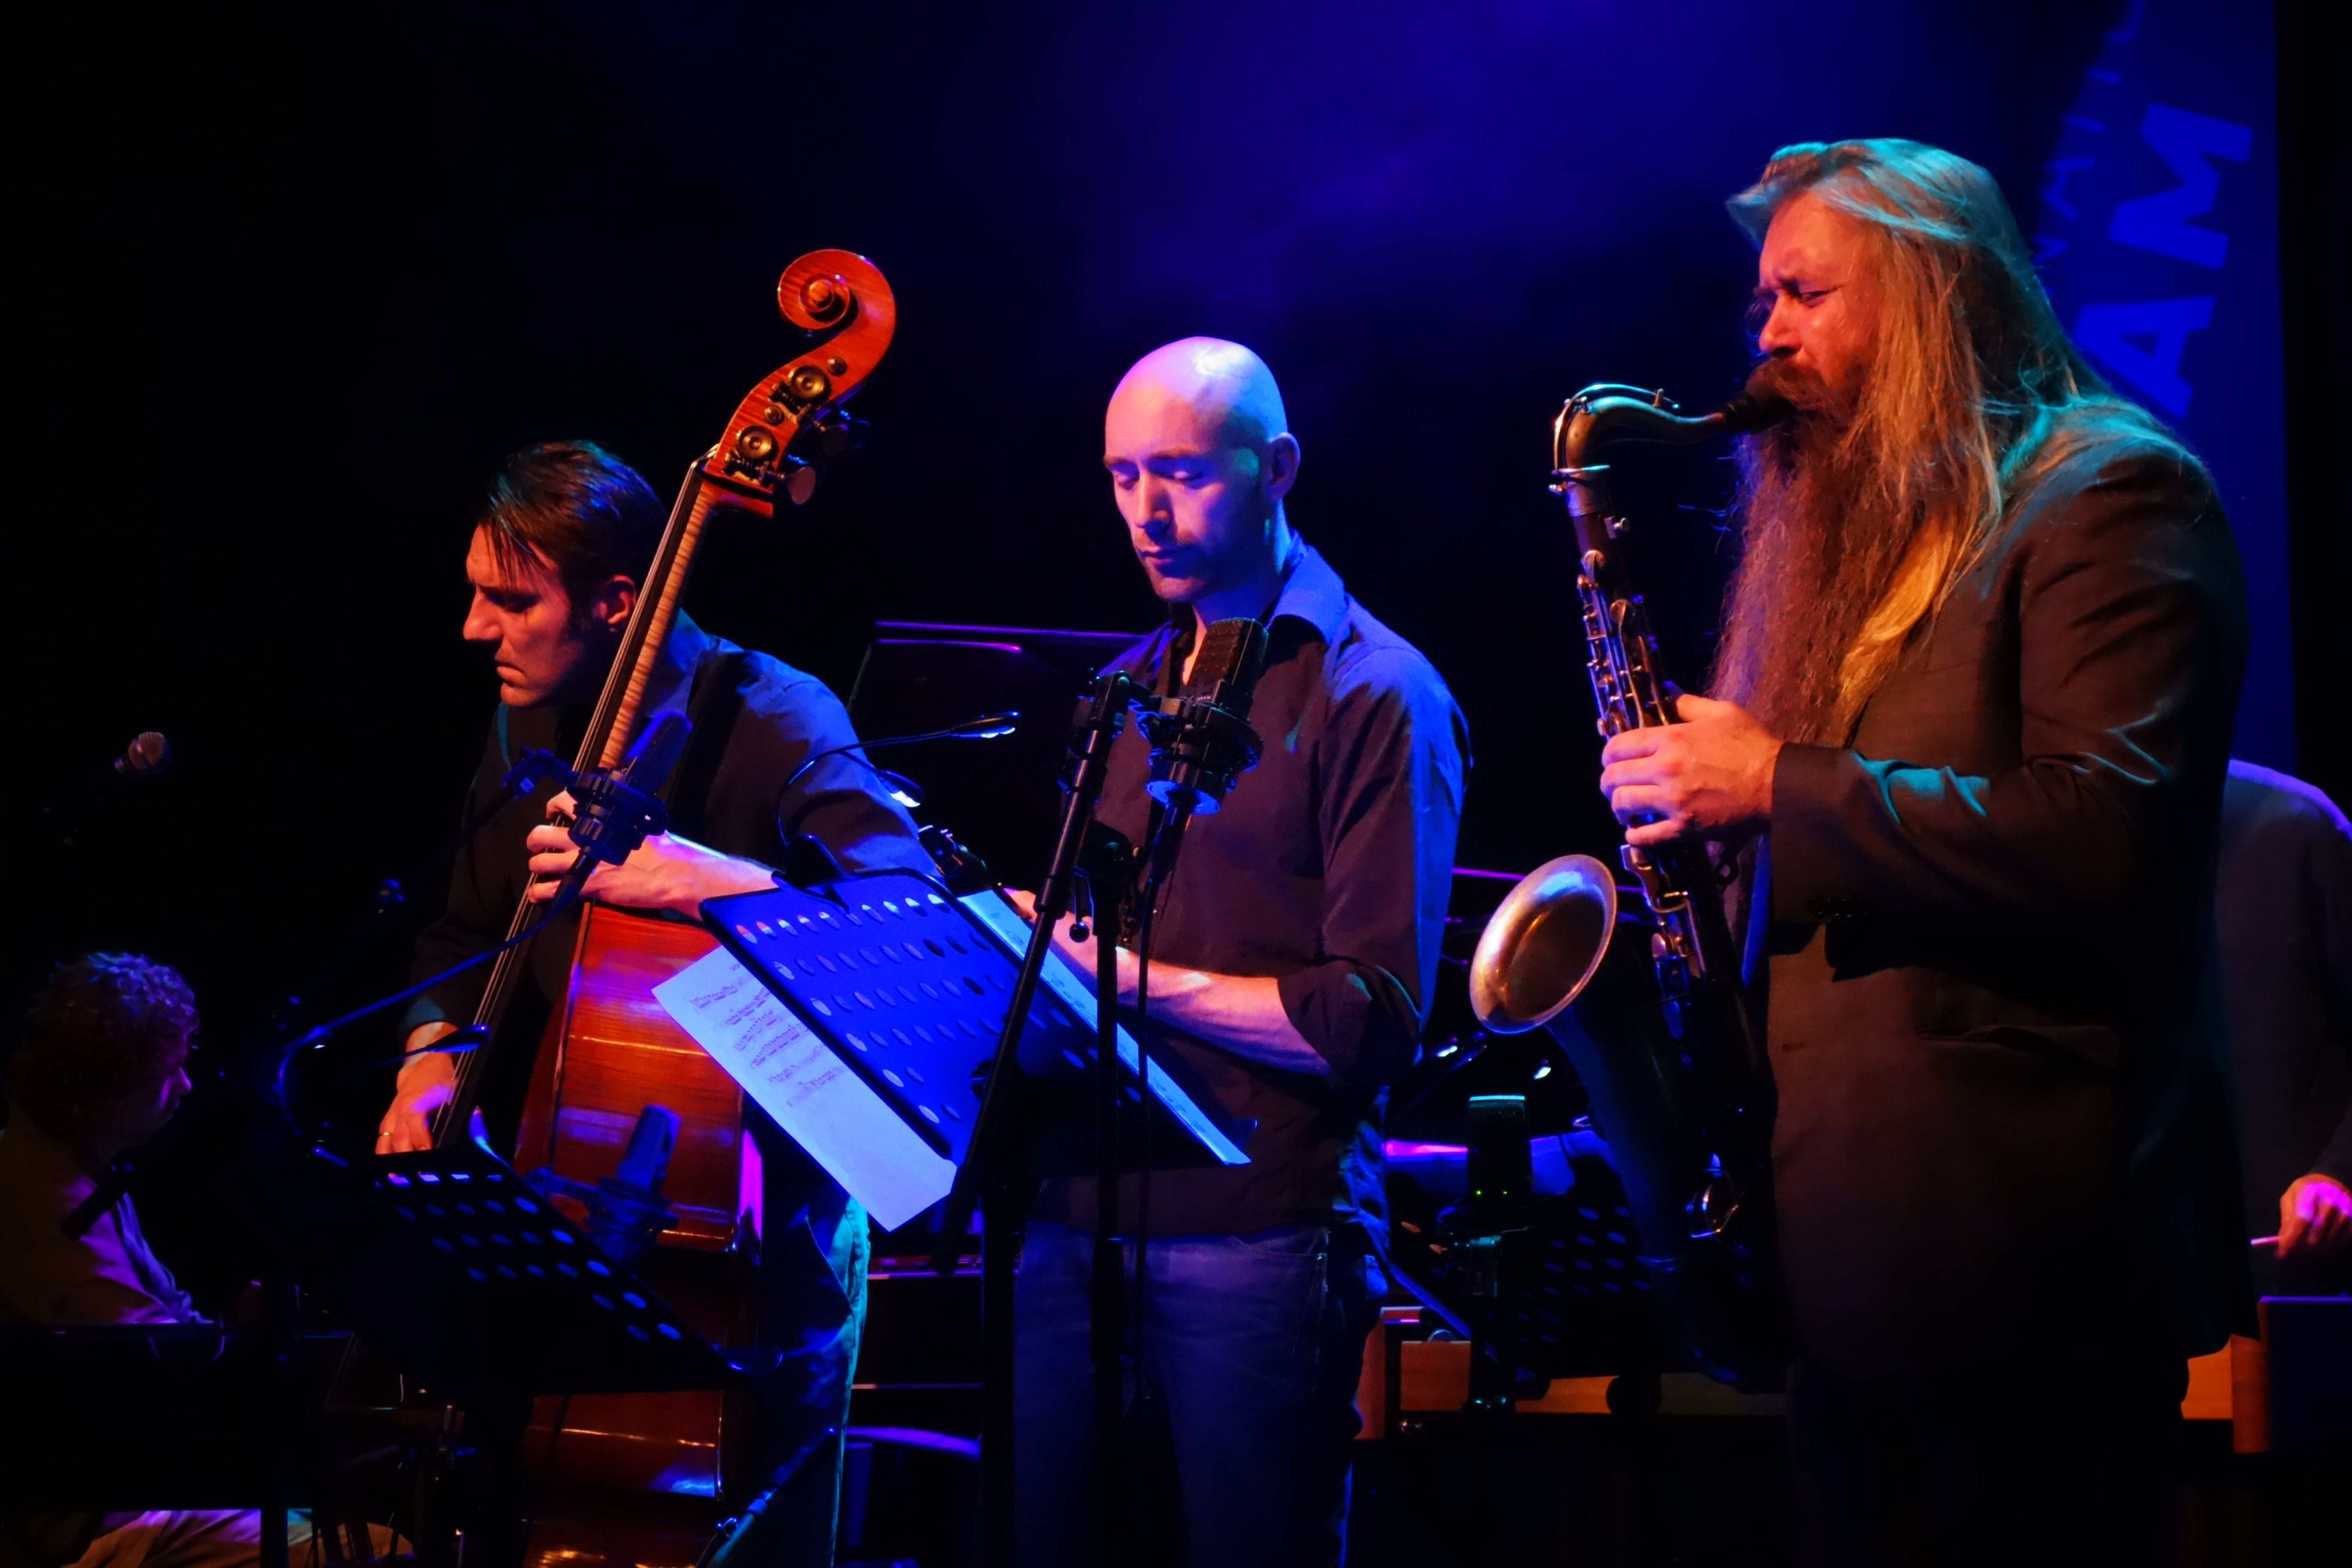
(1970, 717)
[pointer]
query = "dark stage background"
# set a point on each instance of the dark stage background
(296, 284)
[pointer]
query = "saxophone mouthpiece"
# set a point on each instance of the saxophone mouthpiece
(1753, 409)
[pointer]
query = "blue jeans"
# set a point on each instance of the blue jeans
(1251, 1346)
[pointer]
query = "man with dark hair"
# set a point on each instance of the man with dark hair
(559, 549)
(1974, 699)
(576, 505)
(1291, 968)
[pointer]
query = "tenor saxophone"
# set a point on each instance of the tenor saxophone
(1680, 1089)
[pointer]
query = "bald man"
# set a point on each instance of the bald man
(1291, 968)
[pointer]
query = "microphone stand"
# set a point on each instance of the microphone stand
(995, 1169)
(1207, 747)
(1107, 864)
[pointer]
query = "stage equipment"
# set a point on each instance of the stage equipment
(1687, 1112)
(609, 1048)
(147, 755)
(904, 790)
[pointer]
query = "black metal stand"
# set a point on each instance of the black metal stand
(995, 1174)
(1204, 747)
(1109, 867)
(281, 1335)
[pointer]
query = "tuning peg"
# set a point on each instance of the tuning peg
(796, 477)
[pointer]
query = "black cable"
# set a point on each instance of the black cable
(458, 1045)
(314, 1037)
(558, 906)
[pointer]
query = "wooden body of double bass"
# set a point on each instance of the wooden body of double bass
(609, 1051)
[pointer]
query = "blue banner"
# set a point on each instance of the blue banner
(2158, 240)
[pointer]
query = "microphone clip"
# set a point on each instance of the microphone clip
(617, 807)
(1198, 751)
(614, 816)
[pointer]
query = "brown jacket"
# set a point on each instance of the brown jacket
(2001, 1127)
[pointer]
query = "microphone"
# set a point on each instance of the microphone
(148, 754)
(1201, 739)
(620, 807)
(63, 821)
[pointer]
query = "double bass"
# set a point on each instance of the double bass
(634, 1478)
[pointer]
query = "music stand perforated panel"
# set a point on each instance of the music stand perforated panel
(910, 991)
(477, 1281)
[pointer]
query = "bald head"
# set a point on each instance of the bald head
(1201, 456)
(1224, 387)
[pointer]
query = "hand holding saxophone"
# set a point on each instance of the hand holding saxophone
(1709, 776)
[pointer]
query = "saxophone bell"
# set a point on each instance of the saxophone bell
(1543, 944)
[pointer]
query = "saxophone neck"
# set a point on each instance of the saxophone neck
(1607, 412)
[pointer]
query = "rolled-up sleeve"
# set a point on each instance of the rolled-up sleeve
(1394, 754)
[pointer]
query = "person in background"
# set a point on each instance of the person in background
(2283, 899)
(102, 1068)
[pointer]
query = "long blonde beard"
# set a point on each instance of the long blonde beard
(1832, 579)
(1918, 588)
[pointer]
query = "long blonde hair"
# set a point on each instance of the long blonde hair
(1974, 393)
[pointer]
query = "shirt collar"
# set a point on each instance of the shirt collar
(1311, 592)
(1314, 593)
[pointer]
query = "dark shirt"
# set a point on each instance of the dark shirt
(2284, 902)
(727, 794)
(106, 1275)
(1328, 869)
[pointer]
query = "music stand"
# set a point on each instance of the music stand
(1576, 1299)
(478, 1285)
(908, 988)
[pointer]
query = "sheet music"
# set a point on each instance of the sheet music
(815, 1098)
